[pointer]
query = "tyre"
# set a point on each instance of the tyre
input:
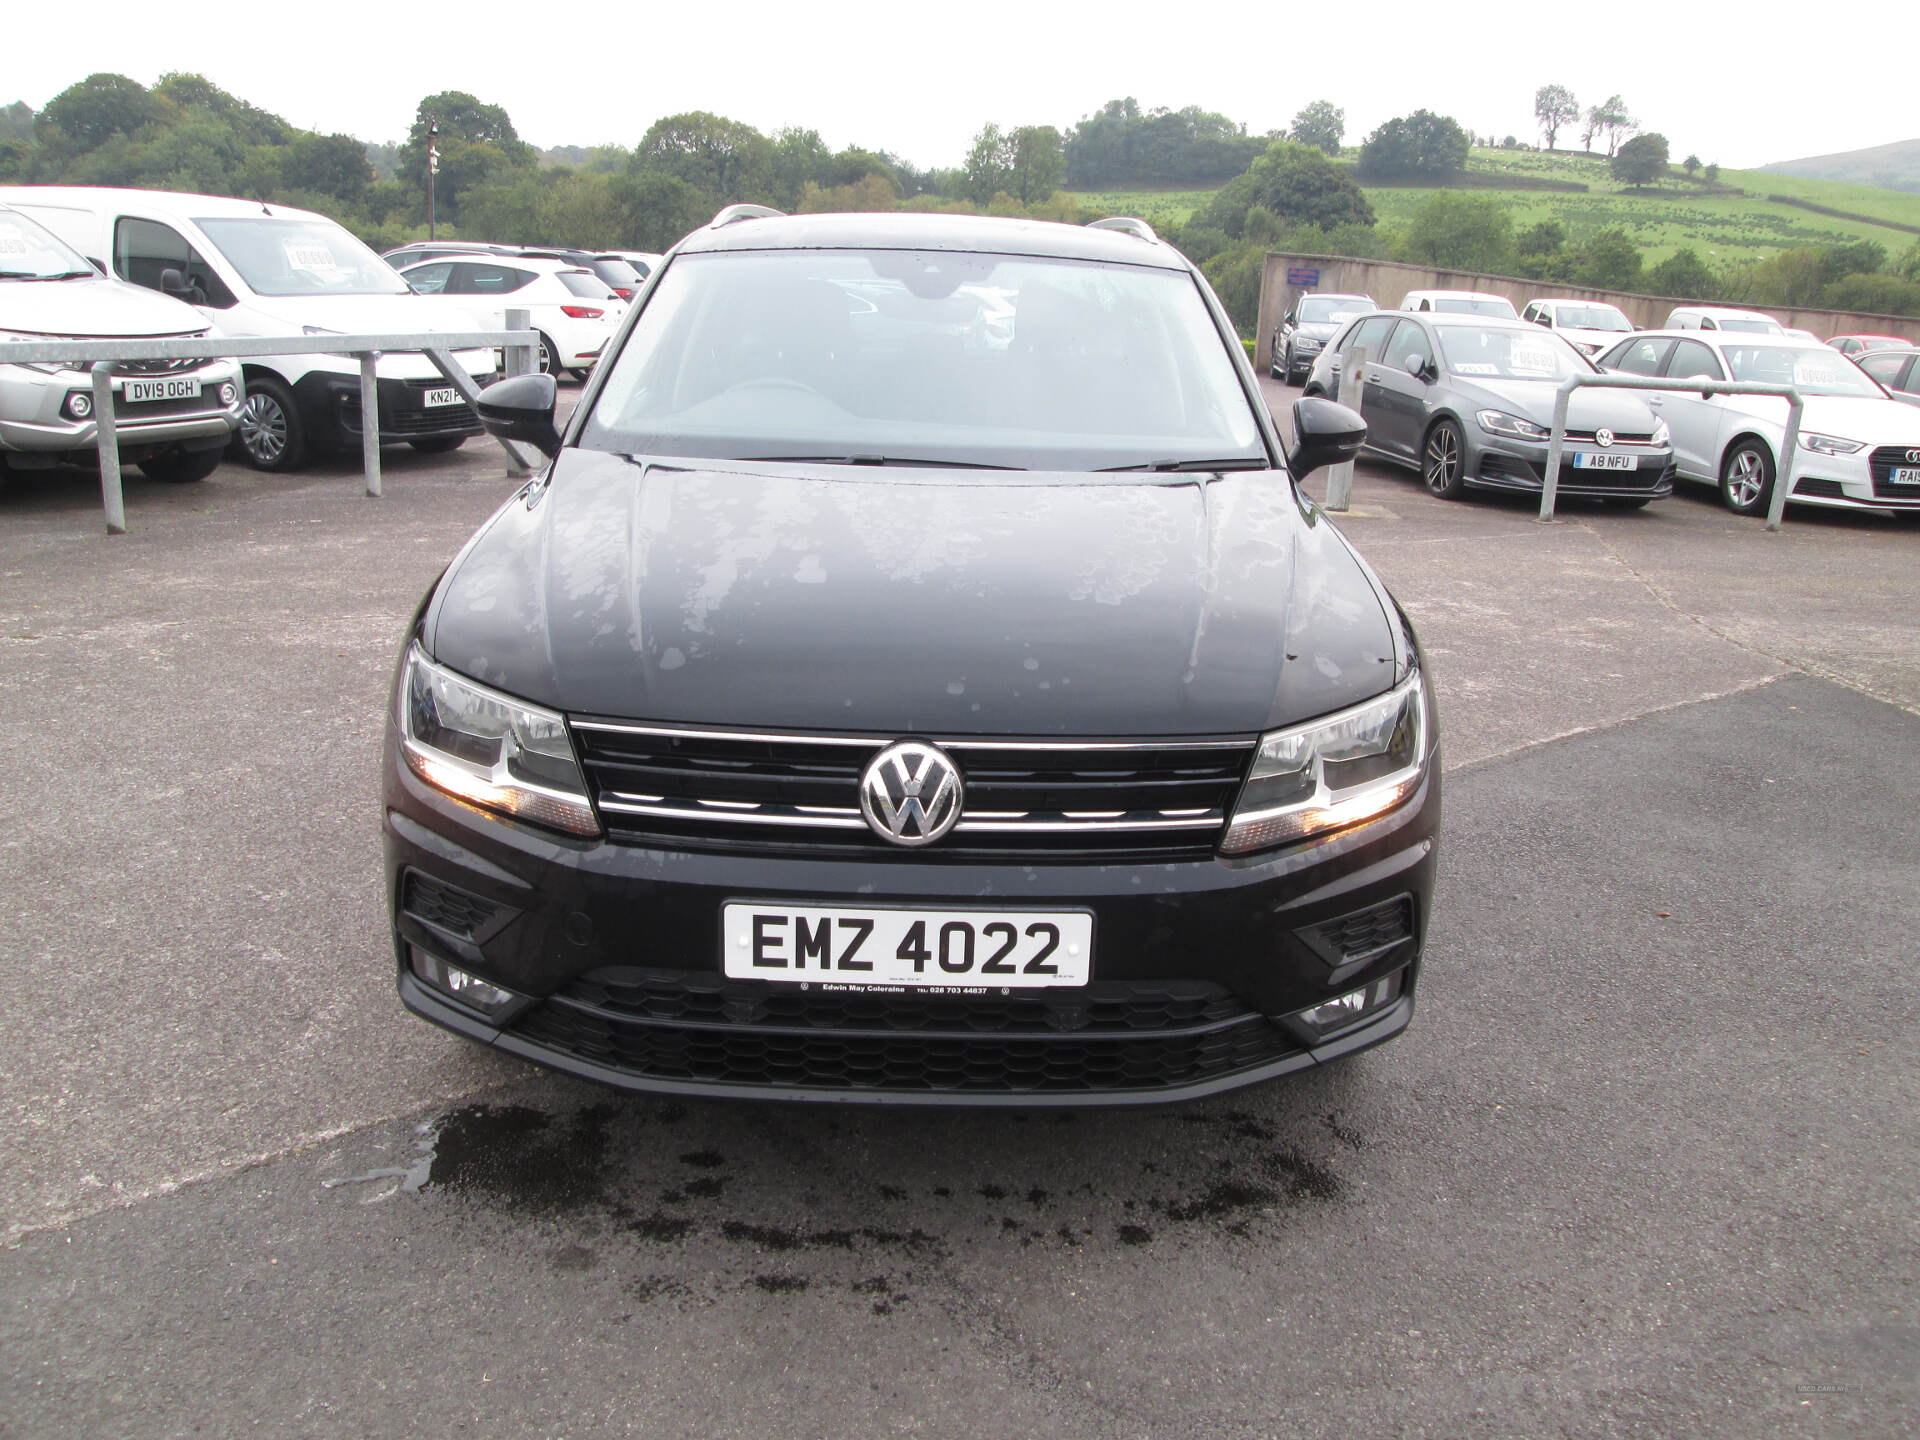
(271, 435)
(549, 358)
(1746, 477)
(1291, 366)
(1443, 461)
(180, 467)
(581, 375)
(438, 444)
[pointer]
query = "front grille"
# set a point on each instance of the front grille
(674, 996)
(1884, 462)
(440, 420)
(159, 367)
(678, 788)
(1146, 1037)
(1620, 437)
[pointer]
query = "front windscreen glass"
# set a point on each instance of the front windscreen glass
(952, 358)
(1748, 327)
(1474, 307)
(1592, 317)
(30, 252)
(1812, 370)
(1489, 353)
(300, 257)
(1331, 309)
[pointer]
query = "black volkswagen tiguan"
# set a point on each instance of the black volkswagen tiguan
(916, 676)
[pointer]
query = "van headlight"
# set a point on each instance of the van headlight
(1333, 772)
(490, 749)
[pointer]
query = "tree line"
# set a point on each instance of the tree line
(1293, 190)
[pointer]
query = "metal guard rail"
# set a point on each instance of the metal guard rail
(518, 343)
(1613, 380)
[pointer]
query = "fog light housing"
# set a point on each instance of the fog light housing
(228, 392)
(1343, 1012)
(79, 404)
(468, 989)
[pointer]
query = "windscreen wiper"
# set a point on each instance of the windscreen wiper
(62, 275)
(1236, 462)
(902, 460)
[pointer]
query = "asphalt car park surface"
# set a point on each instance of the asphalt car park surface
(1644, 1164)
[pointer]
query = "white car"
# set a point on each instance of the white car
(1716, 317)
(1859, 449)
(1460, 302)
(645, 261)
(1590, 326)
(572, 308)
(259, 270)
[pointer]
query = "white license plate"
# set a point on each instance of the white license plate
(947, 950)
(132, 392)
(1587, 460)
(446, 395)
(1904, 476)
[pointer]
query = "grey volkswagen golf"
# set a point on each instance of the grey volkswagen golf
(1468, 400)
(915, 676)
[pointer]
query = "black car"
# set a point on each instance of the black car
(916, 676)
(1308, 325)
(1468, 400)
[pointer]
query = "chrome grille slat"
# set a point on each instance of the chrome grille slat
(671, 787)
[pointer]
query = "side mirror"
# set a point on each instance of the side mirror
(1323, 434)
(1417, 366)
(522, 409)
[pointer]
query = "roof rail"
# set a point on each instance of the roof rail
(734, 214)
(1126, 225)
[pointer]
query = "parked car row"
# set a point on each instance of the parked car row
(245, 268)
(1468, 400)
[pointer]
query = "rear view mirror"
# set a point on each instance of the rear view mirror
(1323, 434)
(522, 409)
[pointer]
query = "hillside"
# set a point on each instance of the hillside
(1891, 167)
(1733, 220)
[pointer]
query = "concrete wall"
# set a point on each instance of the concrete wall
(1388, 282)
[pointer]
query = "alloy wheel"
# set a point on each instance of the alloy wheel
(1746, 478)
(1442, 468)
(263, 428)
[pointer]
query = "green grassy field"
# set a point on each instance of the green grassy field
(1720, 227)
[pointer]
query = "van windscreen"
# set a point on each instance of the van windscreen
(300, 257)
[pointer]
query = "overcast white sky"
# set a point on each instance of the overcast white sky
(1741, 86)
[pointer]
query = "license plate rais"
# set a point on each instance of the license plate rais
(796, 943)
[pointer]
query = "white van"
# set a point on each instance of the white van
(254, 269)
(174, 417)
(1715, 317)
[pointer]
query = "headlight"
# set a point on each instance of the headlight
(1661, 435)
(1830, 444)
(42, 367)
(490, 749)
(1498, 422)
(1334, 772)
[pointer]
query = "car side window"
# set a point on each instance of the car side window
(145, 250)
(1640, 357)
(1884, 368)
(1372, 334)
(1693, 361)
(1408, 341)
(473, 279)
(429, 279)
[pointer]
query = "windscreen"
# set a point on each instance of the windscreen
(1812, 370)
(28, 251)
(1748, 327)
(1592, 317)
(952, 358)
(586, 285)
(1454, 306)
(616, 271)
(288, 256)
(1331, 309)
(1487, 353)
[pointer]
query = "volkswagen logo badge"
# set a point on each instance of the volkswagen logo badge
(910, 793)
(1604, 436)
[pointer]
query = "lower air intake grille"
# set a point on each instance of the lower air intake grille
(700, 1028)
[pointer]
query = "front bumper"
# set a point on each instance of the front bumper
(1495, 462)
(1861, 481)
(33, 419)
(330, 406)
(615, 950)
